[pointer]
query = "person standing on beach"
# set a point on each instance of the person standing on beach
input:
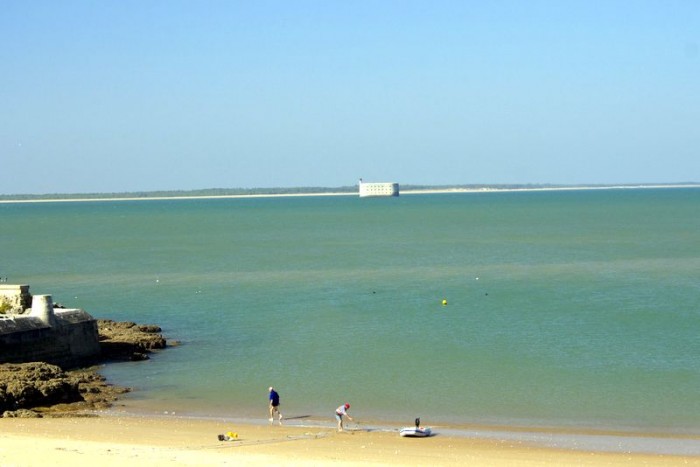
(341, 412)
(275, 405)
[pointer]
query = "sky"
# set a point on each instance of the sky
(142, 95)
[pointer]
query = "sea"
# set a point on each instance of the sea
(562, 308)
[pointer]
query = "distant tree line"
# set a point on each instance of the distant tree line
(295, 190)
(184, 193)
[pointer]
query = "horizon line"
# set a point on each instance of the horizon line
(322, 191)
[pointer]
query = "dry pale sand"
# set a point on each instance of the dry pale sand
(128, 441)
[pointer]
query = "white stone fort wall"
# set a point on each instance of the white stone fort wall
(379, 189)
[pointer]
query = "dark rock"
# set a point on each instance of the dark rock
(50, 391)
(128, 341)
(29, 385)
(21, 413)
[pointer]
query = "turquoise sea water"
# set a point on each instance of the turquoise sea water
(564, 308)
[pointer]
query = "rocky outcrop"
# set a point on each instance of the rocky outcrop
(34, 389)
(28, 385)
(128, 341)
(40, 389)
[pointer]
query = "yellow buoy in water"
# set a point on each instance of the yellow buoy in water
(444, 302)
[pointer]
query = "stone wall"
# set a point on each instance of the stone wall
(64, 337)
(67, 345)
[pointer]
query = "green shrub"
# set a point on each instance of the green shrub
(4, 307)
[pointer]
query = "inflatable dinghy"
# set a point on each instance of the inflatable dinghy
(415, 431)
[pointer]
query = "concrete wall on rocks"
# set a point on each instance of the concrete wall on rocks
(63, 337)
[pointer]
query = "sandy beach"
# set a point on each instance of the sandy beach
(135, 440)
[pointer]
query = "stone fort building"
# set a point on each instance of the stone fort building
(32, 329)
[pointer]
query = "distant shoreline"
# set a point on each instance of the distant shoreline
(548, 188)
(407, 191)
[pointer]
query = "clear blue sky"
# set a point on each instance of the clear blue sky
(111, 96)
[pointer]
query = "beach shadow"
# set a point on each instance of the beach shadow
(297, 417)
(359, 428)
(431, 435)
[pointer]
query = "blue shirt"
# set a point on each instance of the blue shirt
(274, 398)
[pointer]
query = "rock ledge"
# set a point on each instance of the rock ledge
(39, 389)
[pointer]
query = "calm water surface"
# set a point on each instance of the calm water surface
(564, 308)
